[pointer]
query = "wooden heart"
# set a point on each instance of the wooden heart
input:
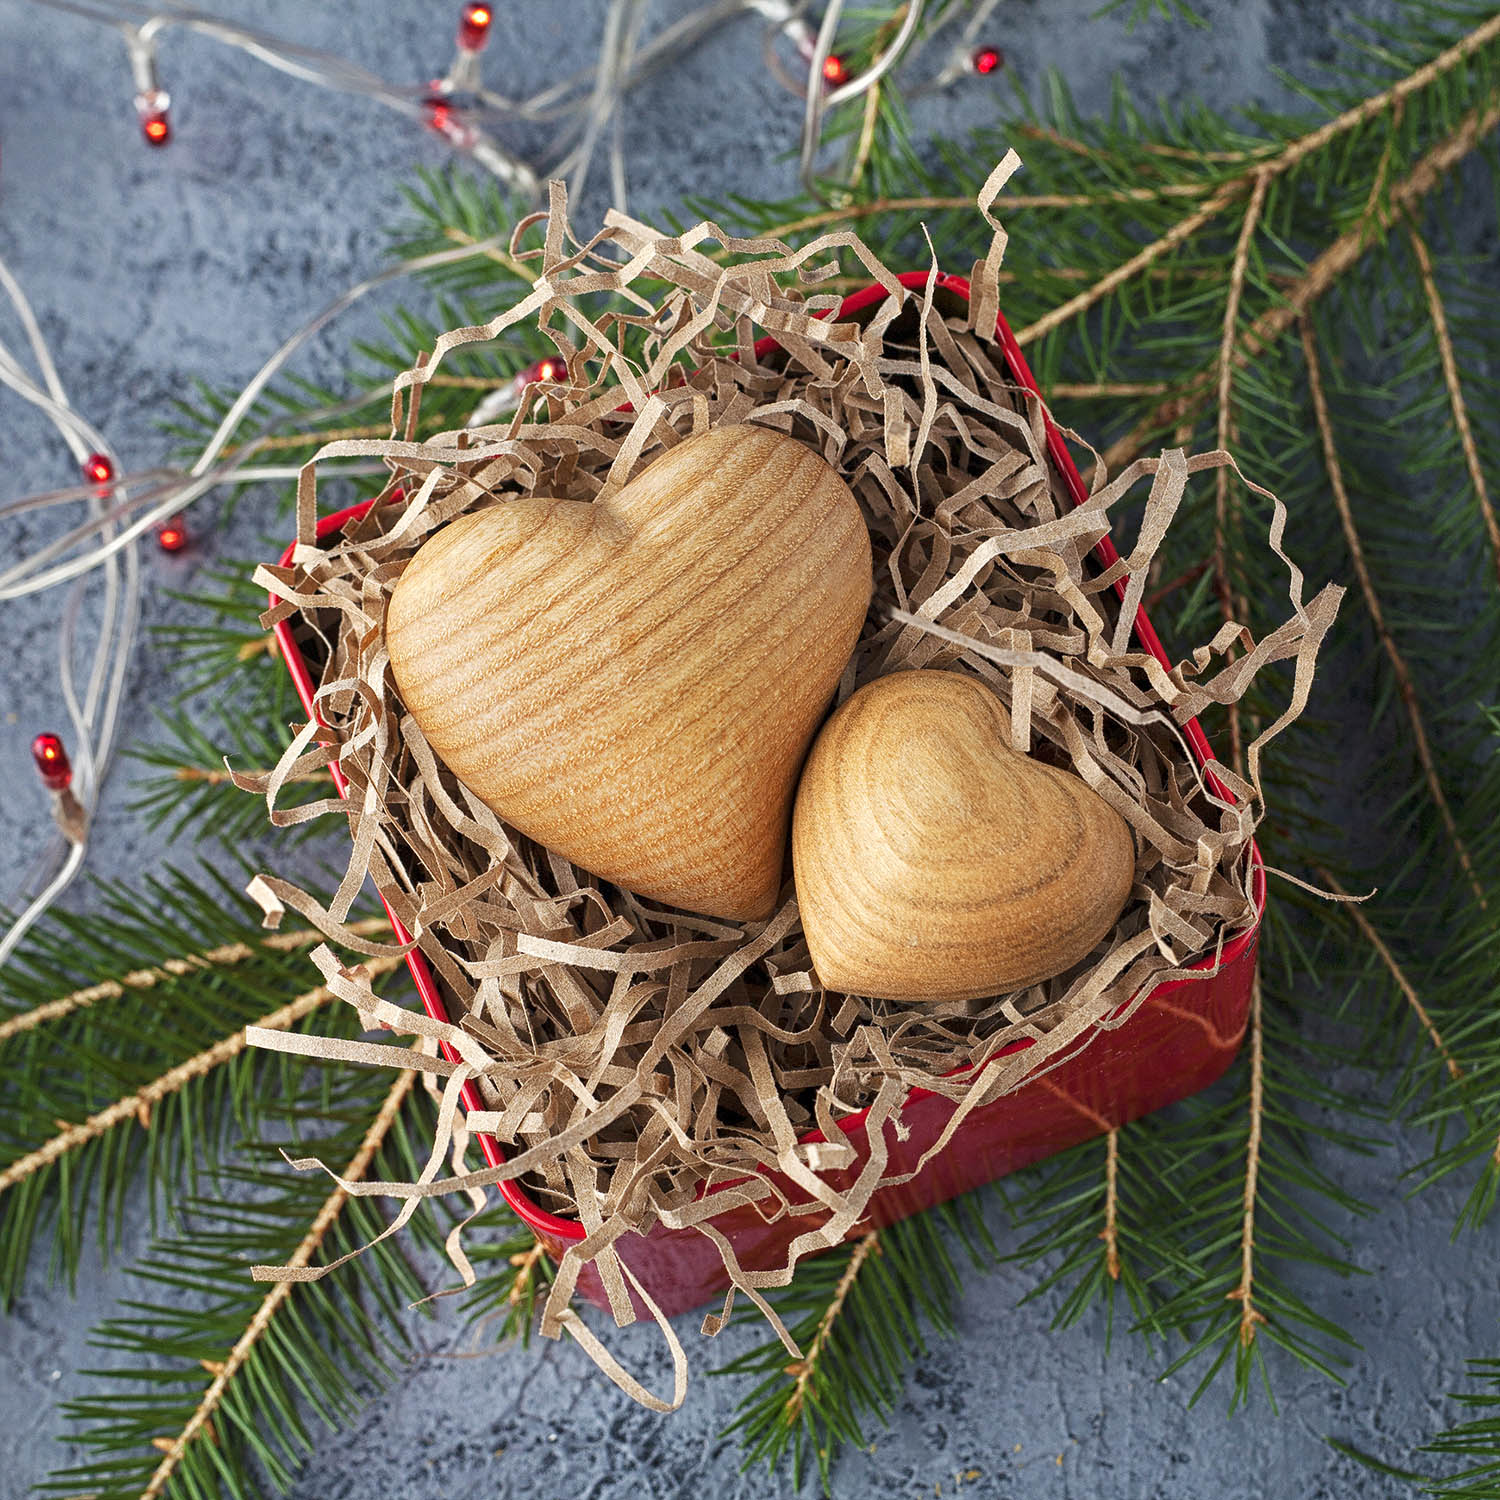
(934, 862)
(634, 682)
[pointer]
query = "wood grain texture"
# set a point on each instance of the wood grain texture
(934, 862)
(634, 682)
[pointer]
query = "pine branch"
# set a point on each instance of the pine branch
(1404, 683)
(1455, 390)
(196, 1426)
(857, 1313)
(214, 1380)
(1478, 1439)
(133, 1012)
(173, 968)
(1321, 275)
(1244, 1292)
(137, 1106)
(1371, 936)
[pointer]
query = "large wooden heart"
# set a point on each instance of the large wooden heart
(634, 682)
(934, 862)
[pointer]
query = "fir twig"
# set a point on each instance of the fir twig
(333, 1206)
(1244, 1292)
(1414, 1000)
(1455, 391)
(802, 1371)
(1405, 687)
(1322, 274)
(173, 968)
(137, 1106)
(1182, 230)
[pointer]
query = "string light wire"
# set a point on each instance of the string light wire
(119, 510)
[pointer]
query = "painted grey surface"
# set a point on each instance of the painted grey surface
(151, 268)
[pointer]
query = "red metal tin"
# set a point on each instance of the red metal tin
(1180, 1039)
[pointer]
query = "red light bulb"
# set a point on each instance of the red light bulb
(98, 469)
(52, 763)
(151, 106)
(987, 60)
(550, 369)
(172, 535)
(834, 69)
(474, 27)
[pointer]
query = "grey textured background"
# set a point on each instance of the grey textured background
(150, 268)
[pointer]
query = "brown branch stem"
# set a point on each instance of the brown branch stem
(1121, 390)
(525, 1268)
(219, 776)
(1455, 391)
(1110, 1234)
(1243, 1293)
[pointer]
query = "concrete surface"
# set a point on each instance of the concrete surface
(150, 268)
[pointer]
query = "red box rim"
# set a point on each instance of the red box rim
(532, 1214)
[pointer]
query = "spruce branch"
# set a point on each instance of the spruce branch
(858, 1313)
(138, 1106)
(1321, 275)
(802, 1370)
(1455, 389)
(173, 968)
(198, 1424)
(1414, 1000)
(1405, 686)
(1182, 230)
(1244, 1292)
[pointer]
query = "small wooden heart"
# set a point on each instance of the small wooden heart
(634, 682)
(934, 862)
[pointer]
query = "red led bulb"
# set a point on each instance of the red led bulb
(172, 535)
(987, 60)
(834, 68)
(99, 470)
(52, 762)
(474, 27)
(151, 106)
